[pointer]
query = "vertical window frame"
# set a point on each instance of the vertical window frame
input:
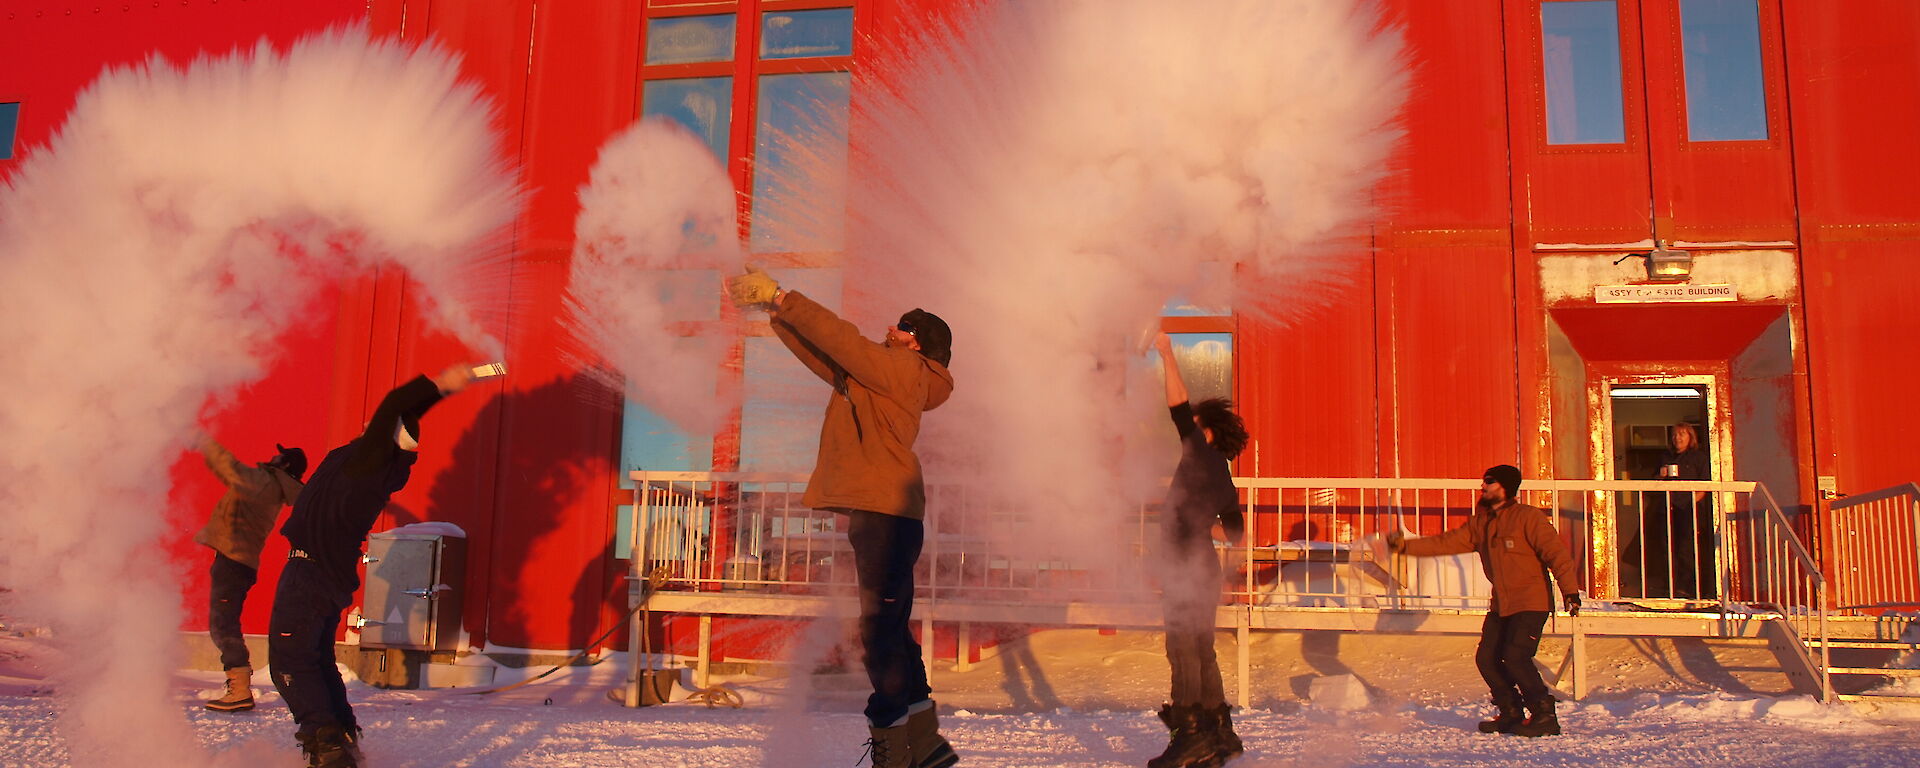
(1632, 77)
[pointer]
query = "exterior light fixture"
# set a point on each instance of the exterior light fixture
(1664, 265)
(1669, 266)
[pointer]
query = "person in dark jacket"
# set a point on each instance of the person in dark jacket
(1201, 500)
(1517, 547)
(867, 471)
(1679, 529)
(236, 531)
(326, 530)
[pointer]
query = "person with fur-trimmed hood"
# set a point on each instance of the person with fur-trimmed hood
(1201, 505)
(867, 471)
(236, 532)
(1517, 547)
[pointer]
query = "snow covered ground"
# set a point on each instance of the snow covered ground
(997, 716)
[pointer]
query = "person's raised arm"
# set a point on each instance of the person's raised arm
(1170, 367)
(806, 353)
(227, 467)
(838, 342)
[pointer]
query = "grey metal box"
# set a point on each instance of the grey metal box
(414, 590)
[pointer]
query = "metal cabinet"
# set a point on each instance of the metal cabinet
(414, 590)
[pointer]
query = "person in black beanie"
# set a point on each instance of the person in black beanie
(867, 470)
(1201, 504)
(328, 526)
(1517, 547)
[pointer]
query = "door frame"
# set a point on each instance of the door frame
(1715, 376)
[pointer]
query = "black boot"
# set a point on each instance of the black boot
(1193, 744)
(1227, 742)
(328, 747)
(1510, 716)
(1541, 721)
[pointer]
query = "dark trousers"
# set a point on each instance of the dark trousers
(1189, 599)
(306, 611)
(231, 580)
(1505, 656)
(885, 548)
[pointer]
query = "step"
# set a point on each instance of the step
(1873, 671)
(1888, 645)
(1877, 697)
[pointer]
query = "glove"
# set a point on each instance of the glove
(1572, 600)
(753, 289)
(1396, 540)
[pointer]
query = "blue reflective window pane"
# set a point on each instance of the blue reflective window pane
(797, 34)
(1206, 363)
(703, 104)
(1725, 98)
(1580, 47)
(9, 123)
(689, 39)
(650, 442)
(800, 163)
(783, 406)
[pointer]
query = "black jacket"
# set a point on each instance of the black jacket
(351, 486)
(1202, 488)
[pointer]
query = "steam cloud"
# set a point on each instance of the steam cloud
(655, 235)
(1047, 176)
(150, 256)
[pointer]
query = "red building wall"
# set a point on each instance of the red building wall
(1433, 362)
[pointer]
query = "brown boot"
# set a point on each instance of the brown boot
(1193, 744)
(239, 695)
(930, 749)
(1507, 717)
(888, 747)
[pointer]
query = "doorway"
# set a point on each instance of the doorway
(1663, 428)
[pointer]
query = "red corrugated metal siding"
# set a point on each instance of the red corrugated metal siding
(1855, 90)
(1444, 282)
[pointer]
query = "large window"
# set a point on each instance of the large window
(1580, 52)
(712, 66)
(9, 123)
(1725, 98)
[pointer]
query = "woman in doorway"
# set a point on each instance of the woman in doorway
(1681, 542)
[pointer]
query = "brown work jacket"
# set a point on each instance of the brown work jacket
(1517, 547)
(866, 458)
(244, 515)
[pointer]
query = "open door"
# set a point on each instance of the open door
(1659, 547)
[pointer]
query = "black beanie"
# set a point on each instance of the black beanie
(292, 460)
(1508, 476)
(936, 340)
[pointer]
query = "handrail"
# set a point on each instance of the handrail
(1856, 499)
(1874, 539)
(1804, 612)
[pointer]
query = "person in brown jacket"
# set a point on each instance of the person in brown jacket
(1517, 547)
(236, 531)
(867, 470)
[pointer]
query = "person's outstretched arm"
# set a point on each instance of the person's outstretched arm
(1170, 367)
(838, 342)
(228, 468)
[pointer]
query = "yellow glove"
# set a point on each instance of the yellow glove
(753, 289)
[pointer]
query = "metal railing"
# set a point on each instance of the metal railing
(1311, 542)
(1875, 540)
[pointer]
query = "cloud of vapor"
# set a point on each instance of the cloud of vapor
(655, 236)
(150, 257)
(1047, 176)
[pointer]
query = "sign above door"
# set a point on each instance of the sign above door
(1649, 294)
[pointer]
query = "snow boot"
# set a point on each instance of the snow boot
(1509, 716)
(239, 695)
(328, 747)
(1193, 744)
(1227, 742)
(1541, 721)
(888, 747)
(930, 749)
